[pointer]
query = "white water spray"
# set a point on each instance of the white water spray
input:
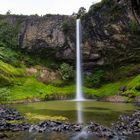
(79, 93)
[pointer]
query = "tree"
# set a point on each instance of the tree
(81, 12)
(66, 71)
(8, 34)
(8, 12)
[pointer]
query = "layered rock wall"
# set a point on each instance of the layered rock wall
(110, 35)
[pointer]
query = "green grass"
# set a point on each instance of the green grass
(9, 70)
(22, 87)
(10, 56)
(9, 74)
(105, 90)
(30, 88)
(133, 89)
(19, 59)
(135, 81)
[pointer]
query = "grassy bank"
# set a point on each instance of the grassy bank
(29, 88)
(16, 86)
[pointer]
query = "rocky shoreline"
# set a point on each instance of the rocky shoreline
(125, 126)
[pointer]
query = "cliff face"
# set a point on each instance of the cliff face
(110, 35)
(45, 36)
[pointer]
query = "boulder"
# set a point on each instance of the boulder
(31, 71)
(137, 99)
(46, 75)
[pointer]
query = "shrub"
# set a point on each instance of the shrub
(137, 87)
(95, 7)
(9, 73)
(94, 79)
(5, 80)
(66, 71)
(134, 26)
(9, 70)
(8, 34)
(129, 93)
(66, 26)
(4, 95)
(98, 6)
(10, 56)
(57, 83)
(81, 12)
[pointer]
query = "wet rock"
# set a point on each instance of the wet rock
(2, 135)
(65, 127)
(42, 130)
(126, 125)
(52, 124)
(58, 129)
(9, 114)
(77, 127)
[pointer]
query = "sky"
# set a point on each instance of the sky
(42, 7)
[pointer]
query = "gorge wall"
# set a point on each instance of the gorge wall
(111, 35)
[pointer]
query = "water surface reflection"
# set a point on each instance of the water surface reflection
(79, 108)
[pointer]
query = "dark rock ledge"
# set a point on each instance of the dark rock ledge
(125, 126)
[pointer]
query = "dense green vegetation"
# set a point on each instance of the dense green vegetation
(8, 35)
(98, 6)
(16, 84)
(134, 26)
(9, 74)
(94, 80)
(67, 71)
(22, 87)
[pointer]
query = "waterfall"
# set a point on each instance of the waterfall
(79, 93)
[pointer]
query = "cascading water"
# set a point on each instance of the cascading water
(79, 93)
